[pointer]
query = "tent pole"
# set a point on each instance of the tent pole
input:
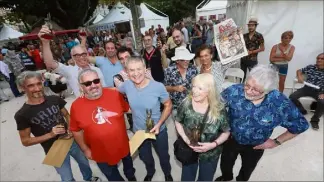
(156, 9)
(133, 33)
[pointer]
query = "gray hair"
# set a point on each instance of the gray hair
(85, 71)
(265, 76)
(77, 46)
(135, 59)
(27, 75)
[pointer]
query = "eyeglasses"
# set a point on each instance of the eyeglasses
(80, 55)
(248, 87)
(89, 83)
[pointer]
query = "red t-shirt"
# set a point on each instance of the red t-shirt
(103, 124)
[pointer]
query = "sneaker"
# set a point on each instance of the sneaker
(314, 125)
(168, 178)
(94, 178)
(148, 178)
(221, 178)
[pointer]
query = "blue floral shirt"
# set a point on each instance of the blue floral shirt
(253, 124)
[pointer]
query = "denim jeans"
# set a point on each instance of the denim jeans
(65, 170)
(112, 172)
(13, 86)
(206, 172)
(161, 147)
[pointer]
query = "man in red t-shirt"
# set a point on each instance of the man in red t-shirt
(100, 114)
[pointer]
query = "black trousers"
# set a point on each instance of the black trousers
(310, 92)
(250, 158)
(247, 64)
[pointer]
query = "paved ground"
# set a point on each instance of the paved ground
(300, 159)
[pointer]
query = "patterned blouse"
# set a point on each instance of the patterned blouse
(218, 71)
(252, 44)
(189, 119)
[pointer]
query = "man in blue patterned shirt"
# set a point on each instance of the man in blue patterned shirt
(315, 76)
(178, 76)
(254, 110)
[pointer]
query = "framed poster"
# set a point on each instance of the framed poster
(229, 41)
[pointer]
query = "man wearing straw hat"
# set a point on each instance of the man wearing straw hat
(178, 76)
(254, 43)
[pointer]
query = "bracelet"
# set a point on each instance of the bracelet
(216, 142)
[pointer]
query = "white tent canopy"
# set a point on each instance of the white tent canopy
(151, 18)
(213, 7)
(98, 18)
(9, 33)
(118, 14)
(304, 18)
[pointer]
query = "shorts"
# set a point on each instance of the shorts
(281, 68)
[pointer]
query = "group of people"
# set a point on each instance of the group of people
(238, 120)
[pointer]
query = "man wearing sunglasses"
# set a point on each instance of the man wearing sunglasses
(254, 110)
(98, 126)
(79, 56)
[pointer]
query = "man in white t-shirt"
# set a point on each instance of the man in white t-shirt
(79, 56)
(185, 33)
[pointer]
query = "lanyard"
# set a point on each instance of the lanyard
(149, 56)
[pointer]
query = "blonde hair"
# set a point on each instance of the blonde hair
(289, 34)
(215, 104)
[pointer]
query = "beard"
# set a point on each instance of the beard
(39, 94)
(94, 93)
(254, 98)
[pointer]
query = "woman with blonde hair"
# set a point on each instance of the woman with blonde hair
(281, 54)
(202, 108)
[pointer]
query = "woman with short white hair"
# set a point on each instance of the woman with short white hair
(202, 109)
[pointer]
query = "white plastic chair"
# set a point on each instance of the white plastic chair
(297, 85)
(233, 72)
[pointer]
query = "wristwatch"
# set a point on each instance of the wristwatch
(277, 142)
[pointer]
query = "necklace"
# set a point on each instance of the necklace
(207, 69)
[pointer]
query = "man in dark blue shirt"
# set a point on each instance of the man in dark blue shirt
(315, 76)
(254, 110)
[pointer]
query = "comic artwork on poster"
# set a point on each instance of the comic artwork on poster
(229, 41)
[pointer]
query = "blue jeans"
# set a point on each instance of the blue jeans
(112, 172)
(206, 172)
(13, 86)
(65, 170)
(161, 147)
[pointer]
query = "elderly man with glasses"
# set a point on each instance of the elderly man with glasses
(254, 110)
(79, 56)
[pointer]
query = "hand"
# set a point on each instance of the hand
(250, 52)
(300, 79)
(321, 96)
(164, 48)
(87, 153)
(68, 136)
(44, 30)
(204, 147)
(57, 130)
(269, 144)
(156, 129)
(180, 88)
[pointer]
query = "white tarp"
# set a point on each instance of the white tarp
(118, 14)
(304, 18)
(150, 18)
(9, 33)
(214, 7)
(98, 18)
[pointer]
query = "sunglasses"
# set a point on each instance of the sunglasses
(89, 83)
(80, 55)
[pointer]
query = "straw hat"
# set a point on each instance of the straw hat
(182, 53)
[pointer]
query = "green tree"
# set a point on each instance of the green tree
(68, 14)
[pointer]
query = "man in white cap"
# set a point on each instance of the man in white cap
(178, 76)
(254, 43)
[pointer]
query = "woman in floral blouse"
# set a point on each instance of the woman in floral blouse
(216, 131)
(217, 69)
